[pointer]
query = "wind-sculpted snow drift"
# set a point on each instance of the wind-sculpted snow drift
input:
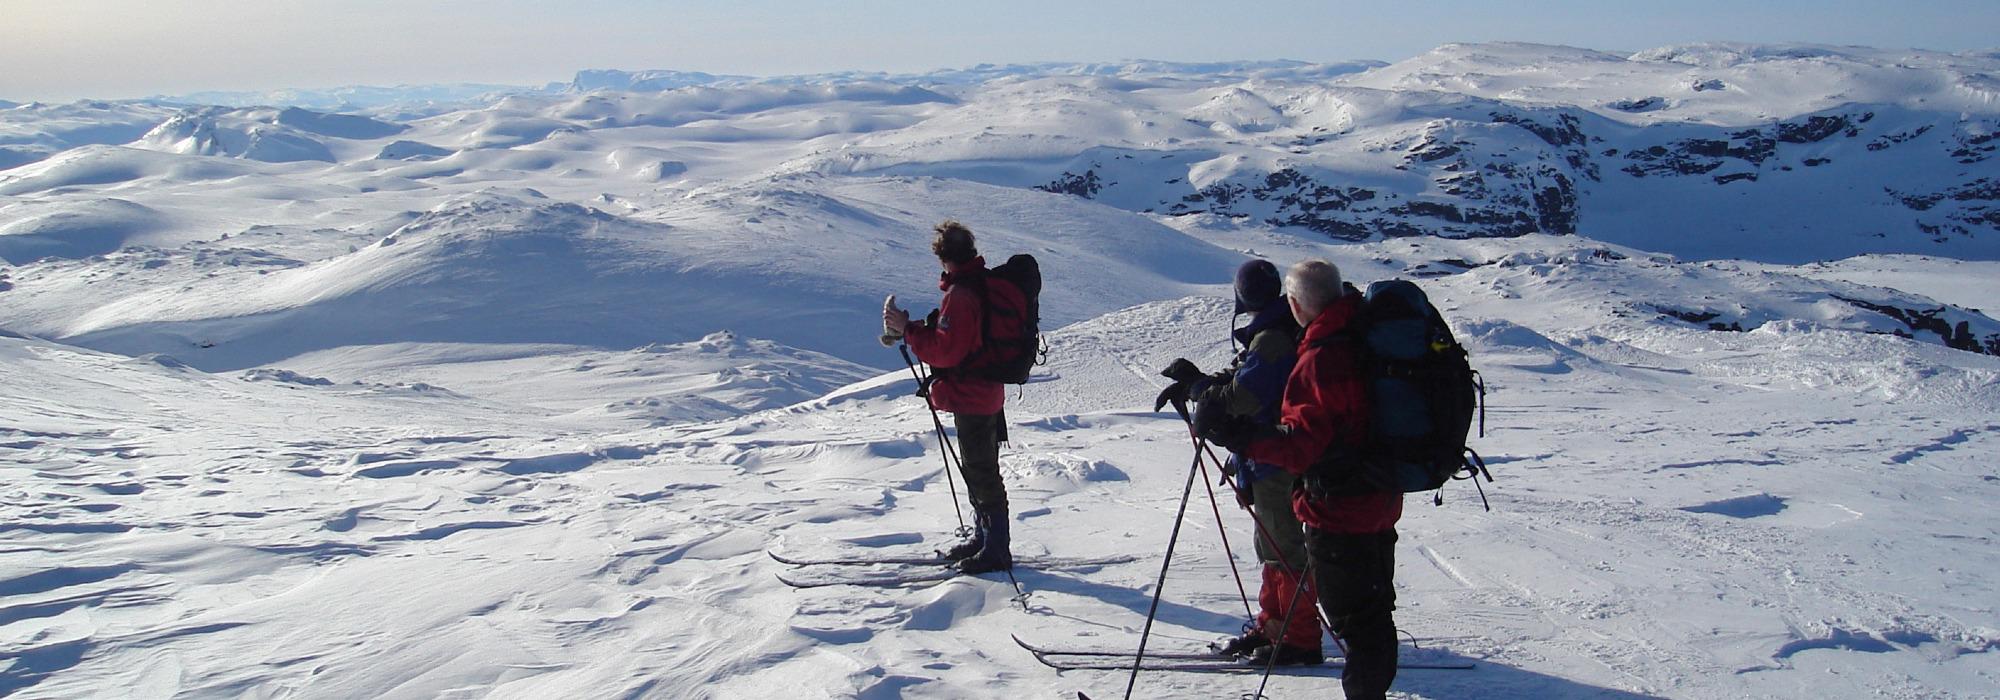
(508, 396)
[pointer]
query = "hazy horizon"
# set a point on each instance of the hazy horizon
(121, 49)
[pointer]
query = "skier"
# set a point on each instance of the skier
(1252, 389)
(1350, 536)
(951, 335)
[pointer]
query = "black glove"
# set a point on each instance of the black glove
(1234, 435)
(1176, 394)
(1182, 371)
(1212, 422)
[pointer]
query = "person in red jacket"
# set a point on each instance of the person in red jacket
(1350, 533)
(946, 341)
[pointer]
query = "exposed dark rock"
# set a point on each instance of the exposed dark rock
(1493, 222)
(1643, 104)
(1751, 145)
(1555, 207)
(1888, 140)
(1299, 201)
(1707, 85)
(1470, 185)
(1701, 156)
(1815, 129)
(1965, 210)
(1343, 230)
(1974, 148)
(1816, 162)
(1085, 185)
(1734, 177)
(1429, 152)
(1957, 337)
(1699, 318)
(1567, 131)
(1917, 202)
(1980, 190)
(1221, 194)
(1707, 148)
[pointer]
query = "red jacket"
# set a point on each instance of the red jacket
(948, 339)
(1326, 406)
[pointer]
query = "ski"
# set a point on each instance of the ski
(858, 560)
(1332, 666)
(818, 573)
(1127, 652)
(1185, 665)
(1104, 658)
(884, 579)
(1042, 562)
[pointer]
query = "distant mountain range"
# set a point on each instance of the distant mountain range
(1732, 150)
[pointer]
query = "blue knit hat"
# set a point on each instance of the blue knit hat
(1257, 285)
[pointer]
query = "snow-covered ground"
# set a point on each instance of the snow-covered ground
(510, 400)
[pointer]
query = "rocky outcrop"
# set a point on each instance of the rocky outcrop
(1968, 210)
(1958, 336)
(1489, 168)
(1701, 318)
(1085, 185)
(1975, 147)
(1701, 156)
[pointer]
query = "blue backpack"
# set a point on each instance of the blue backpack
(1422, 394)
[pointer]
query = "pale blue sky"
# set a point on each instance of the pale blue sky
(65, 49)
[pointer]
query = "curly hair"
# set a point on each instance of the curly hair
(953, 243)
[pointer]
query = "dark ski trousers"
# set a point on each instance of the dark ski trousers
(1357, 589)
(979, 438)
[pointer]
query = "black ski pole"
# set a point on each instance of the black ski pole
(1272, 542)
(1224, 533)
(1262, 532)
(1139, 659)
(944, 446)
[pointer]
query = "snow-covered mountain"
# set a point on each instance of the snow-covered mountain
(508, 396)
(32, 132)
(270, 135)
(1803, 153)
(408, 98)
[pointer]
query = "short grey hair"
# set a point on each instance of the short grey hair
(1314, 284)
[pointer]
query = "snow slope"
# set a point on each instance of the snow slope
(509, 398)
(1680, 512)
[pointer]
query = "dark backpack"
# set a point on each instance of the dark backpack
(1422, 394)
(1010, 330)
